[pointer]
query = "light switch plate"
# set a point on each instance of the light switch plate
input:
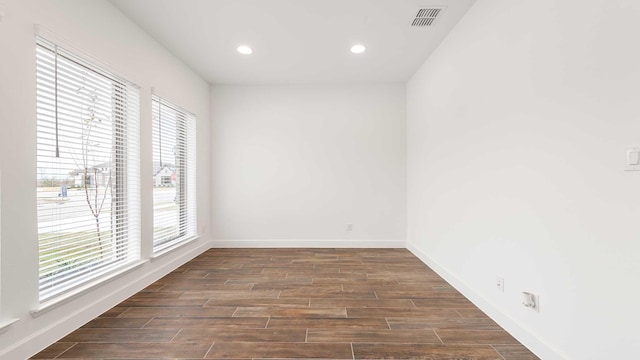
(632, 158)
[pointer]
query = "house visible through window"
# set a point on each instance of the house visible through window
(174, 202)
(166, 181)
(87, 171)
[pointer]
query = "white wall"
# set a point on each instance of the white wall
(293, 165)
(99, 30)
(517, 129)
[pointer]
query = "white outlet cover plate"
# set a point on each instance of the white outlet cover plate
(500, 283)
(536, 300)
(632, 158)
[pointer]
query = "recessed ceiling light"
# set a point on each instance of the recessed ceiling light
(358, 49)
(245, 50)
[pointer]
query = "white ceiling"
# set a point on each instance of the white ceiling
(296, 41)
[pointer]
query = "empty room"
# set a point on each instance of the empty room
(319, 179)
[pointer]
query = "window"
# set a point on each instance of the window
(88, 171)
(174, 191)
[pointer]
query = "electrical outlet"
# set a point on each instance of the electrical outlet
(500, 283)
(531, 300)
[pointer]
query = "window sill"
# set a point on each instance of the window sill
(67, 297)
(4, 325)
(165, 250)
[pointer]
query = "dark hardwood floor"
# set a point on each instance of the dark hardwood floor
(294, 304)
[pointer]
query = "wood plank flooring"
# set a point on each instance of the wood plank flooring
(294, 304)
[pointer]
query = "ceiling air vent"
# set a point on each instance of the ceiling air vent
(426, 17)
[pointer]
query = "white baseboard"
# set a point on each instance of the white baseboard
(516, 329)
(307, 243)
(90, 307)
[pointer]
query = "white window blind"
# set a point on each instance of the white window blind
(174, 174)
(88, 183)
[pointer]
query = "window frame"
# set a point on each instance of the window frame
(184, 123)
(123, 170)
